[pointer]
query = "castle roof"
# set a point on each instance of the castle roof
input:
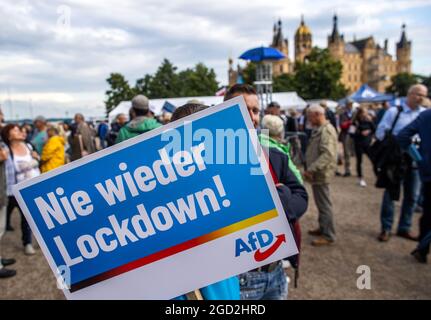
(403, 41)
(303, 29)
(278, 40)
(350, 48)
(360, 44)
(335, 34)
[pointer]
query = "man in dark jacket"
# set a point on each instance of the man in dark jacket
(269, 282)
(421, 126)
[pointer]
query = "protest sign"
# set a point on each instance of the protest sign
(172, 210)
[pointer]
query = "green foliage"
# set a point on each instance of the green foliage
(199, 81)
(249, 73)
(284, 82)
(164, 83)
(167, 82)
(426, 81)
(319, 76)
(119, 91)
(401, 83)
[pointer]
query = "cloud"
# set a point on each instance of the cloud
(58, 54)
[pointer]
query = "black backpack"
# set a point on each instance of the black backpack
(388, 161)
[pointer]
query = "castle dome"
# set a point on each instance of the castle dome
(303, 29)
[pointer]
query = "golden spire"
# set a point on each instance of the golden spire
(303, 29)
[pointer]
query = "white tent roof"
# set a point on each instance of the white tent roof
(289, 100)
(285, 99)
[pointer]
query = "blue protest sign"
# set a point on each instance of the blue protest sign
(161, 214)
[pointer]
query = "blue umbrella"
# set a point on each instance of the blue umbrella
(262, 53)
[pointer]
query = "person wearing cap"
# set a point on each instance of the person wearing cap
(142, 122)
(40, 136)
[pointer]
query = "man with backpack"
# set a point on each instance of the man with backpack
(269, 282)
(393, 121)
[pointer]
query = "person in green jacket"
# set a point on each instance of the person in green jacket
(143, 122)
(274, 125)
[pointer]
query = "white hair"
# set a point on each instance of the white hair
(417, 87)
(315, 108)
(274, 124)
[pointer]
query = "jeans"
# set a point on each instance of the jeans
(360, 149)
(411, 188)
(25, 228)
(260, 285)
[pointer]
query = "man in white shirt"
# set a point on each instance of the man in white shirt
(411, 181)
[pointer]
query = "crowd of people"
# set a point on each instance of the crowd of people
(303, 148)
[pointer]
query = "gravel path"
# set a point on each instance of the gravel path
(326, 273)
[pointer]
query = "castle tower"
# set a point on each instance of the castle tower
(303, 41)
(336, 41)
(281, 44)
(404, 62)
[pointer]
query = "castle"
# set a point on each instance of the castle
(363, 61)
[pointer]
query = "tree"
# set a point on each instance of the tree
(199, 81)
(284, 82)
(319, 76)
(142, 85)
(249, 73)
(401, 83)
(165, 82)
(119, 91)
(427, 82)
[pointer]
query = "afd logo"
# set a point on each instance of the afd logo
(261, 242)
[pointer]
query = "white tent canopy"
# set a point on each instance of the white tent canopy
(285, 99)
(288, 100)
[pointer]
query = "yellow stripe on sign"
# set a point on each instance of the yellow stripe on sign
(238, 226)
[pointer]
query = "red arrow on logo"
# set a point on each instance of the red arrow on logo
(260, 256)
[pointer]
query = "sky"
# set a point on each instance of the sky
(55, 56)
